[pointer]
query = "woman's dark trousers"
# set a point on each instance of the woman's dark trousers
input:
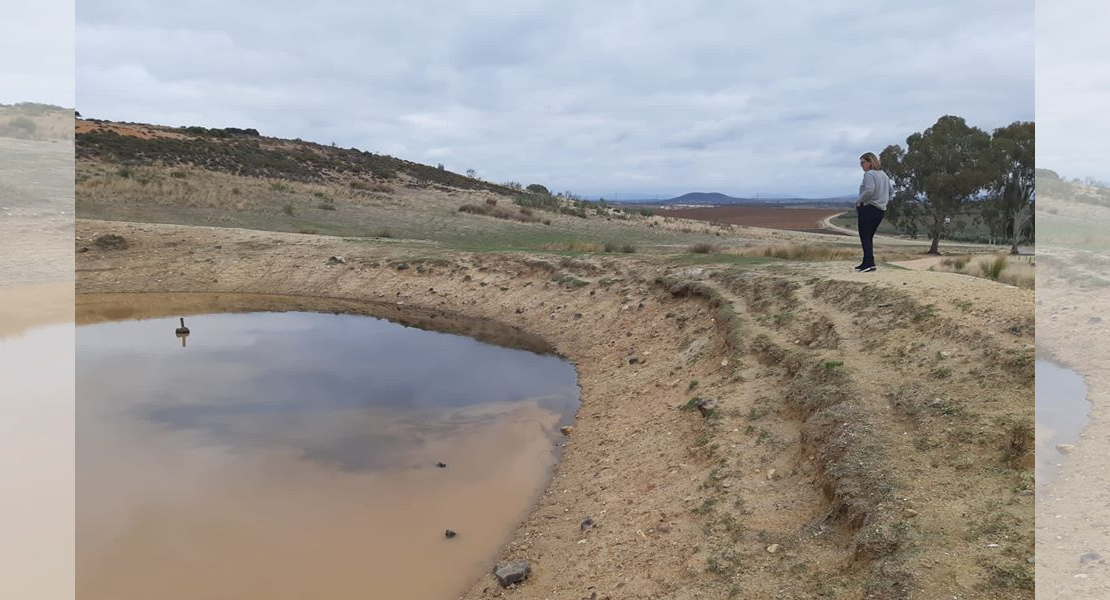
(869, 217)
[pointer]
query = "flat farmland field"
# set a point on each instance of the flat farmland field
(770, 217)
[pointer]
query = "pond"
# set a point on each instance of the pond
(1062, 412)
(36, 470)
(301, 454)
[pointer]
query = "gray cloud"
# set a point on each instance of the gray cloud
(1073, 89)
(36, 52)
(594, 98)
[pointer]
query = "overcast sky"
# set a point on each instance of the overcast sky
(590, 97)
(36, 52)
(1073, 88)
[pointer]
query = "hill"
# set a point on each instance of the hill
(34, 121)
(719, 199)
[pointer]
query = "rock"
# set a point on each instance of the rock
(513, 571)
(441, 465)
(337, 260)
(588, 523)
(633, 360)
(1065, 448)
(566, 429)
(773, 548)
(910, 513)
(520, 311)
(770, 474)
(449, 534)
(706, 406)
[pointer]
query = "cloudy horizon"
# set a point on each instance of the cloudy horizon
(625, 99)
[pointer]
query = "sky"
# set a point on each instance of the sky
(1073, 88)
(618, 99)
(37, 52)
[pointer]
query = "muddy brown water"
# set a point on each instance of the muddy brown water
(1062, 412)
(36, 468)
(294, 454)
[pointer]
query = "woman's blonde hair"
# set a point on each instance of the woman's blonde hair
(873, 160)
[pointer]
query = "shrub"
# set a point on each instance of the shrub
(994, 268)
(288, 209)
(628, 249)
(702, 248)
(110, 241)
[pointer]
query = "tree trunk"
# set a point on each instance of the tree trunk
(934, 248)
(1021, 217)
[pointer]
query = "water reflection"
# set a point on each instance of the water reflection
(292, 455)
(182, 332)
(1062, 412)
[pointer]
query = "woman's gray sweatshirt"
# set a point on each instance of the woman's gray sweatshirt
(875, 189)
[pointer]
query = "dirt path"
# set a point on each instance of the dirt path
(768, 495)
(1072, 528)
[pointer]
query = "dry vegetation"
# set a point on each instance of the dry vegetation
(1012, 270)
(32, 121)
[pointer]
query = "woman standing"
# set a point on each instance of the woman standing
(874, 194)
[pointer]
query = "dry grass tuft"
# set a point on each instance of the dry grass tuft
(1018, 271)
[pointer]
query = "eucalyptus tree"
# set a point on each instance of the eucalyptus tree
(1012, 191)
(940, 170)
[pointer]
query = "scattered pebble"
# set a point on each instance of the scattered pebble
(450, 533)
(773, 548)
(566, 429)
(513, 571)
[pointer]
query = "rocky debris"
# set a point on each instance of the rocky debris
(566, 429)
(588, 523)
(706, 406)
(337, 260)
(450, 533)
(513, 571)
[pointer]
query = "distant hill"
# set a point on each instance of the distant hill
(34, 121)
(719, 199)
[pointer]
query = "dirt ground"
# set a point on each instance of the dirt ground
(1072, 519)
(868, 441)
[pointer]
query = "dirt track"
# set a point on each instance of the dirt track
(749, 503)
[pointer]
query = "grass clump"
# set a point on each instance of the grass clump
(110, 241)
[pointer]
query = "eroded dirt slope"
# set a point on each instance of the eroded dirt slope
(860, 435)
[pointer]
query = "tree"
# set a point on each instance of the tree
(1012, 191)
(471, 173)
(940, 170)
(536, 188)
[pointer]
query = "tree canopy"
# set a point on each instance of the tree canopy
(939, 171)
